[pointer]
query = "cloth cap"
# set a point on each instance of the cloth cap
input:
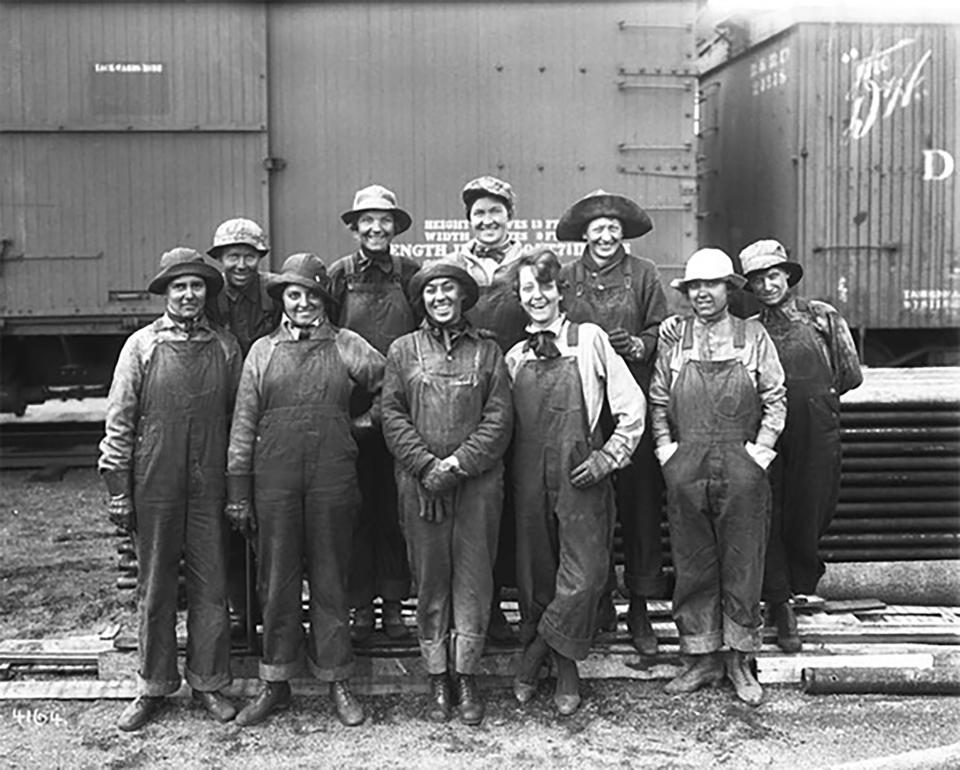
(377, 198)
(182, 260)
(444, 268)
(303, 269)
(761, 255)
(708, 265)
(600, 203)
(239, 230)
(488, 185)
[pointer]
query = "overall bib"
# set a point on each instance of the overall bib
(638, 486)
(306, 498)
(718, 504)
(809, 450)
(452, 560)
(379, 312)
(179, 464)
(564, 534)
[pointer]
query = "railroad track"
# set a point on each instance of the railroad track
(49, 444)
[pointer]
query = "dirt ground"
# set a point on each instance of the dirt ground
(58, 572)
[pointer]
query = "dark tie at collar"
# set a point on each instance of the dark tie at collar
(543, 344)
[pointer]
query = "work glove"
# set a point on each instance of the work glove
(761, 455)
(440, 477)
(121, 514)
(434, 508)
(595, 468)
(671, 328)
(625, 344)
(665, 451)
(239, 509)
(363, 425)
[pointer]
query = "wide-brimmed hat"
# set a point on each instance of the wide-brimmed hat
(236, 231)
(600, 203)
(303, 269)
(377, 198)
(182, 260)
(484, 186)
(442, 268)
(768, 253)
(708, 265)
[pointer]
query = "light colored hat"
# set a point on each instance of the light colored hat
(377, 198)
(239, 230)
(488, 185)
(708, 265)
(182, 260)
(761, 255)
(303, 269)
(600, 203)
(443, 268)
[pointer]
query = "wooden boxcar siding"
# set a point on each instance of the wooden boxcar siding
(423, 96)
(99, 177)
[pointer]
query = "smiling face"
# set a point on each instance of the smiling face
(541, 301)
(443, 300)
(186, 296)
(488, 221)
(708, 298)
(603, 235)
(770, 285)
(375, 230)
(239, 261)
(303, 306)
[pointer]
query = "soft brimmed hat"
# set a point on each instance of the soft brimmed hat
(600, 203)
(235, 231)
(185, 261)
(377, 198)
(708, 265)
(761, 255)
(305, 270)
(442, 268)
(483, 186)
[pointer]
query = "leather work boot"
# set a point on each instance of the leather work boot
(217, 704)
(705, 670)
(788, 637)
(139, 711)
(499, 631)
(392, 621)
(441, 703)
(606, 613)
(744, 682)
(528, 674)
(361, 627)
(567, 696)
(470, 704)
(349, 710)
(641, 629)
(273, 696)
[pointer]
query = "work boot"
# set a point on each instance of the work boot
(392, 620)
(349, 710)
(139, 711)
(606, 613)
(217, 704)
(528, 674)
(273, 697)
(741, 676)
(641, 629)
(361, 627)
(788, 636)
(441, 702)
(499, 631)
(469, 702)
(705, 670)
(567, 696)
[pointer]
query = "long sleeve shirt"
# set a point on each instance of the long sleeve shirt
(123, 402)
(248, 313)
(484, 269)
(363, 362)
(486, 444)
(713, 341)
(603, 374)
(378, 270)
(833, 334)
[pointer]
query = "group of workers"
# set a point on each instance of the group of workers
(478, 421)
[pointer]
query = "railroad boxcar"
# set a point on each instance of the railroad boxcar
(841, 141)
(128, 128)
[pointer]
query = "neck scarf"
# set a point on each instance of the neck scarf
(543, 344)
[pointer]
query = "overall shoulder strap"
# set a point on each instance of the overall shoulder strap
(687, 334)
(739, 333)
(573, 334)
